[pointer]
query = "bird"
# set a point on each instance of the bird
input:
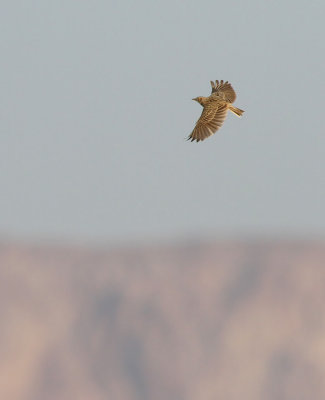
(215, 108)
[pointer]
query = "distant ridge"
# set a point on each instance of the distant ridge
(208, 320)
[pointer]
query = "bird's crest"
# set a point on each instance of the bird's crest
(200, 100)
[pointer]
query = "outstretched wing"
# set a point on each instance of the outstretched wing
(211, 120)
(225, 89)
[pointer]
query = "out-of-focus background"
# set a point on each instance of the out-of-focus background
(134, 264)
(194, 321)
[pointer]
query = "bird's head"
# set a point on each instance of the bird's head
(199, 100)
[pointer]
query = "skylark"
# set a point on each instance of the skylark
(215, 109)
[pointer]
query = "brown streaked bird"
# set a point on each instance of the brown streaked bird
(215, 108)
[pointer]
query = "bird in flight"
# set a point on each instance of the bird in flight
(215, 109)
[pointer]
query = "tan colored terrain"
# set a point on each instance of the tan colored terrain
(214, 321)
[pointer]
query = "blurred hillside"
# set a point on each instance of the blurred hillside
(208, 321)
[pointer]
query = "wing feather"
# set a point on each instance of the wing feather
(209, 122)
(225, 89)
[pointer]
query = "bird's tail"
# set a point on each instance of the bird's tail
(236, 110)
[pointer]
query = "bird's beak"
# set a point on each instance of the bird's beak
(194, 99)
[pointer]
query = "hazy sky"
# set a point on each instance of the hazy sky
(96, 103)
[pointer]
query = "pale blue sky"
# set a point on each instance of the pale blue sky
(96, 103)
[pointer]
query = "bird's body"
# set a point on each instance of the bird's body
(215, 108)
